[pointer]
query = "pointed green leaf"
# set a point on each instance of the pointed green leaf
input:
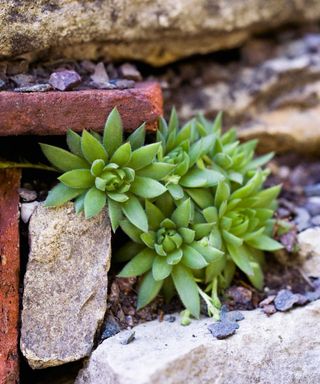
(222, 193)
(202, 197)
(174, 257)
(143, 156)
(148, 238)
(187, 289)
(256, 278)
(74, 142)
(91, 148)
(147, 188)
(241, 256)
(78, 178)
(155, 216)
(231, 239)
(197, 178)
(79, 203)
(137, 137)
(61, 194)
(264, 243)
(62, 159)
(129, 229)
(160, 268)
(182, 214)
(192, 258)
(148, 290)
(94, 202)
(140, 264)
(135, 213)
(156, 171)
(115, 214)
(122, 155)
(175, 191)
(112, 134)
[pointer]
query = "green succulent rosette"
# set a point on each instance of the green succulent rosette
(242, 228)
(228, 156)
(169, 252)
(184, 149)
(105, 171)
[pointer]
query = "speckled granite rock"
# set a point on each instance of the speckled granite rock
(154, 31)
(65, 286)
(282, 349)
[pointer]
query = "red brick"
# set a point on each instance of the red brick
(9, 276)
(52, 113)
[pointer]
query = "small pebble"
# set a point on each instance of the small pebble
(312, 190)
(127, 337)
(268, 300)
(302, 219)
(313, 206)
(285, 300)
(130, 72)
(223, 329)
(22, 79)
(315, 220)
(27, 195)
(240, 295)
(269, 309)
(169, 318)
(110, 328)
(231, 316)
(100, 76)
(121, 84)
(27, 209)
(2, 83)
(312, 296)
(64, 80)
(34, 88)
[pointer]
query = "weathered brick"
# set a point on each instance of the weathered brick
(9, 276)
(53, 113)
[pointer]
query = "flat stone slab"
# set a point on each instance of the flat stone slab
(65, 285)
(54, 112)
(284, 349)
(9, 275)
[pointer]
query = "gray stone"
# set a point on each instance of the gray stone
(223, 329)
(65, 285)
(27, 195)
(27, 209)
(156, 32)
(64, 80)
(309, 251)
(34, 88)
(283, 348)
(285, 300)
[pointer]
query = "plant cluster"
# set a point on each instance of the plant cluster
(192, 204)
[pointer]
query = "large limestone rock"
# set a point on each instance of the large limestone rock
(284, 349)
(65, 286)
(309, 244)
(154, 31)
(272, 93)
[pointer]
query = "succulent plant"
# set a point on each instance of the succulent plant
(172, 249)
(100, 171)
(192, 204)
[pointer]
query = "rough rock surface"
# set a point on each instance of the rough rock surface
(272, 93)
(309, 243)
(153, 31)
(65, 286)
(282, 349)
